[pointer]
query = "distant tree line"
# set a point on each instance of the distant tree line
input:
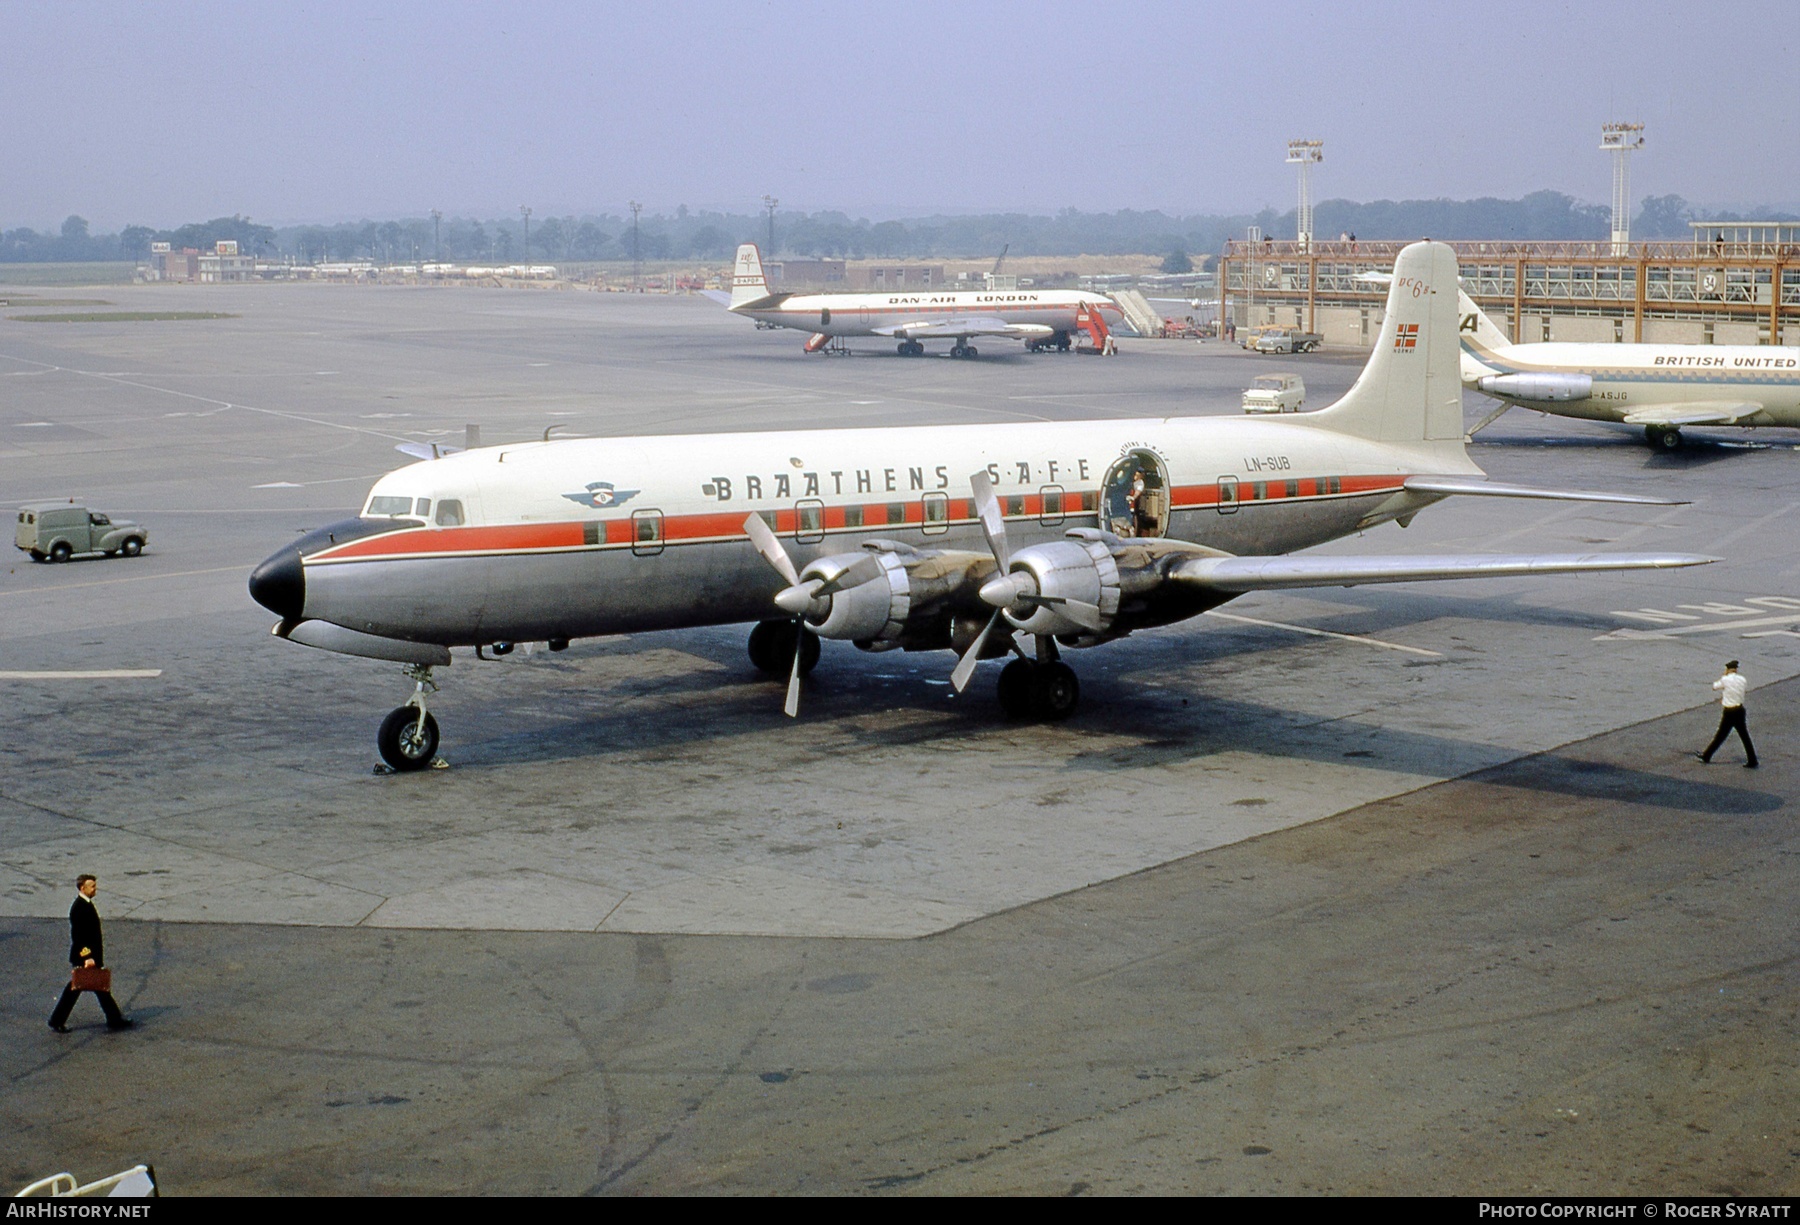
(1542, 215)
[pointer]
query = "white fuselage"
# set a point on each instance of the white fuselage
(1630, 377)
(539, 554)
(884, 314)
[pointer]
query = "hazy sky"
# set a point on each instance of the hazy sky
(164, 113)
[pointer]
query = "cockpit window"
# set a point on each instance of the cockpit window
(449, 512)
(423, 508)
(390, 506)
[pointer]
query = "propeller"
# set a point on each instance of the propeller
(801, 599)
(1009, 588)
(1003, 585)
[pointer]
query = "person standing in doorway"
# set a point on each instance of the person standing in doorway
(87, 951)
(1731, 688)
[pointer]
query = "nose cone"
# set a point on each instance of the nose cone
(279, 585)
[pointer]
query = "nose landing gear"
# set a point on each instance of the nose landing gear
(408, 738)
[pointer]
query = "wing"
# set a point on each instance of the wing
(1241, 574)
(1695, 412)
(1445, 486)
(964, 325)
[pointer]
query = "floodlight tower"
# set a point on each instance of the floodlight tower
(1623, 139)
(523, 209)
(637, 261)
(436, 250)
(769, 202)
(1305, 154)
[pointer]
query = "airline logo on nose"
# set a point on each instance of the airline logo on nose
(1406, 338)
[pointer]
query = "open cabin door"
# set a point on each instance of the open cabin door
(1134, 497)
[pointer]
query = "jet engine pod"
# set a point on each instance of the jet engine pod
(1541, 388)
(1077, 588)
(876, 608)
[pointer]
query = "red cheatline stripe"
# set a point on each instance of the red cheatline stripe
(729, 525)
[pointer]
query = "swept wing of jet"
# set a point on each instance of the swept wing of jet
(1024, 540)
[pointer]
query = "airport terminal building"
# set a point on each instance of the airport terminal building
(1730, 283)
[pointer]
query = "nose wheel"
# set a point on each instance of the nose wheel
(408, 738)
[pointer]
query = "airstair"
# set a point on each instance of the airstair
(1143, 318)
(1094, 324)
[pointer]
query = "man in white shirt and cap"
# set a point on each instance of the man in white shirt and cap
(1731, 688)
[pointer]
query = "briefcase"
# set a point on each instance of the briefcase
(91, 978)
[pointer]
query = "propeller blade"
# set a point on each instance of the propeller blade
(763, 537)
(792, 706)
(993, 522)
(1079, 611)
(965, 667)
(862, 570)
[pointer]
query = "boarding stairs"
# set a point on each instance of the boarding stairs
(1144, 319)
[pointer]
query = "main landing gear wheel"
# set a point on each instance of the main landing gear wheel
(408, 738)
(962, 350)
(912, 348)
(1047, 691)
(772, 648)
(1663, 437)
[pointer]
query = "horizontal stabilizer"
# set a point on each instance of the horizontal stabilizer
(426, 450)
(1447, 485)
(717, 295)
(1239, 574)
(1696, 412)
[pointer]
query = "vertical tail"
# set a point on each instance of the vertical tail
(1411, 390)
(747, 281)
(1474, 324)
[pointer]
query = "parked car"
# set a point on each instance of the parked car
(57, 531)
(1275, 393)
(1248, 336)
(1287, 340)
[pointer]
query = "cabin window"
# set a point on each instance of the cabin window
(449, 512)
(853, 516)
(937, 513)
(896, 512)
(1258, 491)
(1228, 495)
(1051, 512)
(390, 506)
(825, 317)
(809, 521)
(1335, 485)
(1293, 489)
(646, 532)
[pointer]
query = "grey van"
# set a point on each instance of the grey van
(56, 531)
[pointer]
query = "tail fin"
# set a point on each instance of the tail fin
(1475, 324)
(747, 281)
(1411, 390)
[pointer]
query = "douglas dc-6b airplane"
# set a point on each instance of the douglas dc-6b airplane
(1042, 318)
(1660, 387)
(1068, 534)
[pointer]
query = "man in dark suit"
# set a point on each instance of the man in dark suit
(86, 950)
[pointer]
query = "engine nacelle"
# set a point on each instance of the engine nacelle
(1079, 570)
(1541, 388)
(872, 611)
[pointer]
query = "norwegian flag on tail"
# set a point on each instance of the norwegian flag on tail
(1406, 337)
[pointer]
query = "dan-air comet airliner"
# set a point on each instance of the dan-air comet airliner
(1660, 387)
(1042, 318)
(1025, 540)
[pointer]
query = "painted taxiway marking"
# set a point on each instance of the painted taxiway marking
(135, 578)
(1318, 633)
(86, 674)
(1753, 613)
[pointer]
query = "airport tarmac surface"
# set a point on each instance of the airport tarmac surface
(879, 909)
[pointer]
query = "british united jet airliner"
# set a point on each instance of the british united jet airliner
(1022, 540)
